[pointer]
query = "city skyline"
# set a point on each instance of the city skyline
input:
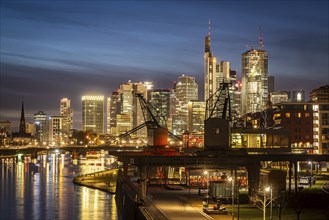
(50, 51)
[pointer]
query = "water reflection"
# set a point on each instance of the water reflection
(45, 190)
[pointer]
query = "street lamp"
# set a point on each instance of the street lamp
(268, 189)
(310, 162)
(232, 179)
(207, 174)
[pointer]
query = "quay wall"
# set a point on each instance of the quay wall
(130, 206)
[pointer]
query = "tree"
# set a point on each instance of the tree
(281, 202)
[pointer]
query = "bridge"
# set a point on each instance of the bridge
(74, 149)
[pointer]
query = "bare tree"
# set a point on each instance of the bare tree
(282, 202)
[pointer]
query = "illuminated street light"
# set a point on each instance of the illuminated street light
(311, 178)
(207, 174)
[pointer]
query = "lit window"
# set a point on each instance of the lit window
(287, 115)
(307, 115)
(299, 115)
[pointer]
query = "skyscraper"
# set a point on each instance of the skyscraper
(130, 103)
(298, 96)
(41, 127)
(186, 90)
(214, 74)
(160, 99)
(93, 114)
(67, 115)
(115, 109)
(271, 84)
(196, 113)
(254, 81)
(209, 69)
(56, 136)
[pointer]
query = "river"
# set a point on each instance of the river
(44, 189)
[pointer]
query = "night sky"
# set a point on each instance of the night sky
(56, 49)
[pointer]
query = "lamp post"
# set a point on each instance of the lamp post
(264, 205)
(311, 179)
(232, 179)
(268, 189)
(207, 174)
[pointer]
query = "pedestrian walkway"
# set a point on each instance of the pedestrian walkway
(181, 204)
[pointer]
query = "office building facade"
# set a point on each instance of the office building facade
(93, 113)
(254, 94)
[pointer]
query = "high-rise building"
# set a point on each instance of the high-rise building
(108, 115)
(235, 96)
(56, 137)
(320, 94)
(254, 81)
(214, 73)
(209, 69)
(67, 113)
(271, 84)
(298, 96)
(123, 123)
(93, 114)
(196, 114)
(41, 127)
(279, 97)
(30, 128)
(160, 99)
(130, 103)
(115, 109)
(186, 90)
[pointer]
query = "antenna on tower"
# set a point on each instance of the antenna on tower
(260, 38)
(209, 28)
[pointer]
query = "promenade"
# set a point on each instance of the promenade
(181, 204)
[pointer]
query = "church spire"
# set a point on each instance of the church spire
(22, 125)
(207, 40)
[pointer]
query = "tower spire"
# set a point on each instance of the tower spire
(209, 28)
(22, 125)
(207, 40)
(260, 38)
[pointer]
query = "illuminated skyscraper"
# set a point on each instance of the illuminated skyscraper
(160, 99)
(130, 103)
(298, 96)
(67, 115)
(186, 90)
(56, 136)
(214, 74)
(115, 109)
(254, 81)
(209, 69)
(41, 127)
(235, 96)
(93, 114)
(196, 113)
